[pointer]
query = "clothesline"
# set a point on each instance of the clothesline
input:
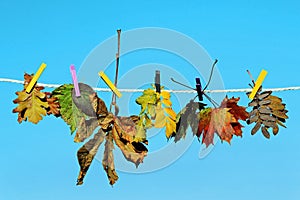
(172, 91)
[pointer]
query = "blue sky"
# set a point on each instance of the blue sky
(39, 161)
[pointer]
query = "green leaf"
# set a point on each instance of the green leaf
(69, 111)
(158, 107)
(148, 99)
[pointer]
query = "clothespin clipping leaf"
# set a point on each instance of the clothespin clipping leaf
(258, 83)
(110, 84)
(35, 77)
(75, 81)
(36, 104)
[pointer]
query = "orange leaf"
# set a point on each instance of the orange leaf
(54, 107)
(223, 121)
(239, 112)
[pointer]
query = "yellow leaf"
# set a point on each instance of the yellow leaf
(160, 119)
(31, 106)
(165, 95)
(167, 102)
(35, 111)
(170, 128)
(148, 122)
(171, 113)
(151, 110)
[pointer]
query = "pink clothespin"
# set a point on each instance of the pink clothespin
(75, 81)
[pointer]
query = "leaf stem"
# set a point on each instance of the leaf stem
(114, 99)
(172, 79)
(211, 73)
(213, 102)
(251, 77)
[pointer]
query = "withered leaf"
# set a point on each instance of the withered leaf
(252, 119)
(129, 150)
(106, 122)
(87, 153)
(188, 117)
(265, 132)
(264, 102)
(275, 129)
(83, 102)
(269, 123)
(264, 110)
(108, 160)
(280, 123)
(98, 105)
(256, 127)
(253, 112)
(32, 106)
(54, 107)
(253, 103)
(267, 112)
(280, 114)
(264, 94)
(127, 129)
(85, 129)
(266, 117)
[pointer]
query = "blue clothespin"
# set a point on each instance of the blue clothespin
(199, 89)
(157, 81)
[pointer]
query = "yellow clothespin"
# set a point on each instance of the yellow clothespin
(258, 83)
(36, 77)
(110, 84)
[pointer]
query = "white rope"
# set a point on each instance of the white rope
(172, 91)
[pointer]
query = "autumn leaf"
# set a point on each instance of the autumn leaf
(87, 153)
(238, 112)
(268, 111)
(160, 117)
(86, 128)
(54, 107)
(165, 117)
(106, 122)
(32, 106)
(98, 105)
(165, 114)
(85, 101)
(68, 110)
(123, 131)
(128, 130)
(188, 117)
(204, 128)
(87, 125)
(158, 107)
(219, 122)
(108, 160)
(223, 121)
(147, 101)
(133, 152)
